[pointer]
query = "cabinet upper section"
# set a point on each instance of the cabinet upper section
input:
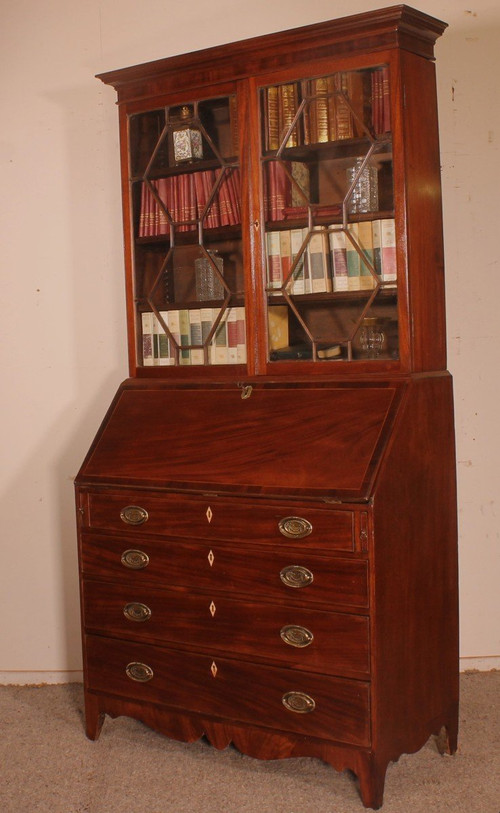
(282, 206)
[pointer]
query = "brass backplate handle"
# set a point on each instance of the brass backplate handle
(134, 515)
(294, 527)
(135, 559)
(299, 702)
(136, 611)
(140, 672)
(296, 576)
(294, 635)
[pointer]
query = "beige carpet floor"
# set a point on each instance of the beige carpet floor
(47, 764)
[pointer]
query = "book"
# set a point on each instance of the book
(338, 255)
(285, 254)
(299, 283)
(317, 250)
(232, 336)
(241, 335)
(147, 338)
(388, 249)
(377, 248)
(277, 326)
(173, 324)
(273, 260)
(292, 352)
(162, 343)
(196, 337)
(365, 242)
(353, 258)
(287, 110)
(332, 352)
(185, 334)
(219, 352)
(272, 117)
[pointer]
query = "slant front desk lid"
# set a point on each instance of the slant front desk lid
(313, 440)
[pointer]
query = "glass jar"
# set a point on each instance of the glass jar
(364, 196)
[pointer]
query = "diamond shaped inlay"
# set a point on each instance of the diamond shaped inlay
(212, 609)
(211, 558)
(213, 668)
(209, 514)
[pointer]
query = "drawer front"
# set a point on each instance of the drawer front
(326, 642)
(207, 518)
(269, 697)
(291, 575)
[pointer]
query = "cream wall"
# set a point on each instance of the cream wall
(63, 324)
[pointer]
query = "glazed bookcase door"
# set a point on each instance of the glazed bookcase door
(328, 197)
(187, 234)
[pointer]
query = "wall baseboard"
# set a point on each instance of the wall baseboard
(8, 678)
(484, 664)
(25, 678)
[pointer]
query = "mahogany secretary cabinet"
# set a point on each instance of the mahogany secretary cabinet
(267, 516)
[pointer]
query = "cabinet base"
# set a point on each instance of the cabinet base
(368, 766)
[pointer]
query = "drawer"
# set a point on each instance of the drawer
(206, 518)
(286, 574)
(331, 643)
(293, 701)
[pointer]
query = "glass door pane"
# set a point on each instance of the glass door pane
(329, 213)
(186, 199)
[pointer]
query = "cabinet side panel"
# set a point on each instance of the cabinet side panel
(415, 565)
(424, 214)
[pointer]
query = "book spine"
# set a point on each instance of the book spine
(241, 335)
(147, 339)
(219, 341)
(288, 98)
(338, 253)
(377, 248)
(365, 241)
(388, 241)
(353, 259)
(166, 358)
(273, 260)
(344, 115)
(285, 255)
(184, 329)
(277, 322)
(232, 336)
(272, 117)
(195, 337)
(173, 324)
(296, 240)
(318, 263)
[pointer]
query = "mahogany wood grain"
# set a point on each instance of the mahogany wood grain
(179, 443)
(357, 34)
(414, 556)
(362, 450)
(239, 691)
(206, 517)
(231, 627)
(247, 569)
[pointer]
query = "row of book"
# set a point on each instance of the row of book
(188, 340)
(332, 259)
(341, 106)
(213, 195)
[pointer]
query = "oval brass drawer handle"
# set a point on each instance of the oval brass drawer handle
(296, 636)
(298, 702)
(294, 527)
(140, 672)
(136, 611)
(134, 515)
(135, 559)
(296, 576)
